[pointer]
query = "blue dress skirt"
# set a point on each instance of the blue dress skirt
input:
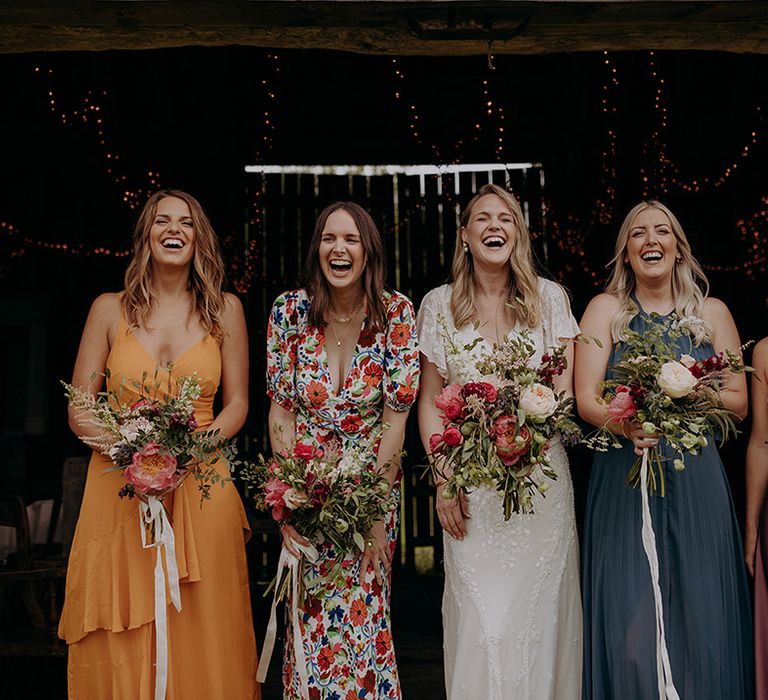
(703, 579)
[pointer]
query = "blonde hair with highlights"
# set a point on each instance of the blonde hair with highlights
(206, 274)
(689, 283)
(523, 293)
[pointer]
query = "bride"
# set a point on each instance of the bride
(511, 606)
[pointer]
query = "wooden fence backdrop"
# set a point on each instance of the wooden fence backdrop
(417, 210)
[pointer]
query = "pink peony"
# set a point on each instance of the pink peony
(622, 407)
(453, 436)
(152, 470)
(305, 451)
(435, 441)
(504, 432)
(450, 401)
(273, 496)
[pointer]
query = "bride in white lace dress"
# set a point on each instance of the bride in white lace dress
(512, 617)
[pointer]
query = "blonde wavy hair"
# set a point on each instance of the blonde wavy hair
(206, 274)
(689, 283)
(523, 299)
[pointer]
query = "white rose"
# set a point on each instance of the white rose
(676, 380)
(687, 361)
(293, 498)
(538, 400)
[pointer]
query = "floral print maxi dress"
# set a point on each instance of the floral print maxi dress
(345, 632)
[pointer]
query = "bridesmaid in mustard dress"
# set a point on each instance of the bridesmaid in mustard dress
(173, 310)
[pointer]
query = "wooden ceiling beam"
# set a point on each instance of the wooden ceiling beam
(395, 27)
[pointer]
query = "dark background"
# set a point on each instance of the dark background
(609, 131)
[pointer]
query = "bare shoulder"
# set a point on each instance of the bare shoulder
(105, 310)
(233, 311)
(602, 305)
(760, 355)
(715, 311)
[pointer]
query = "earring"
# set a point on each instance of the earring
(466, 248)
(678, 260)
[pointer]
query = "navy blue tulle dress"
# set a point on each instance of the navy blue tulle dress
(702, 578)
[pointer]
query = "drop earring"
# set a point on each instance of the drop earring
(465, 247)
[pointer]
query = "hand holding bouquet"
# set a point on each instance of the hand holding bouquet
(497, 431)
(676, 398)
(328, 496)
(153, 440)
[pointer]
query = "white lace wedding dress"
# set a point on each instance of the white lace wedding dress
(512, 620)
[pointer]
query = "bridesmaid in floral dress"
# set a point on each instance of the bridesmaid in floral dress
(343, 368)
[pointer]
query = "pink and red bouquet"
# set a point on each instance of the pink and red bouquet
(497, 431)
(154, 440)
(676, 397)
(329, 495)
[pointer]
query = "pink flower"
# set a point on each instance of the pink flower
(453, 436)
(274, 490)
(305, 451)
(450, 401)
(435, 441)
(622, 407)
(152, 470)
(505, 434)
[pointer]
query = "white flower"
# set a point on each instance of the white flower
(293, 498)
(132, 428)
(687, 361)
(538, 400)
(676, 380)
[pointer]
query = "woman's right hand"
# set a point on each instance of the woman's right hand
(452, 512)
(640, 439)
(290, 536)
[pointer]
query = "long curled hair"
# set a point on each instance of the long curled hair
(206, 274)
(689, 283)
(523, 292)
(373, 274)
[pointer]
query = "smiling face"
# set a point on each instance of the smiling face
(490, 231)
(652, 245)
(341, 254)
(172, 233)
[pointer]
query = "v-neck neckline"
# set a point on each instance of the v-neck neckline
(153, 358)
(326, 365)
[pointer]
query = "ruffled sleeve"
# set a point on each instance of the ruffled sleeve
(282, 336)
(556, 318)
(428, 326)
(401, 357)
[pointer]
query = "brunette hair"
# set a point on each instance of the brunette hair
(373, 274)
(206, 274)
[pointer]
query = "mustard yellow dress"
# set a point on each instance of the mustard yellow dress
(108, 616)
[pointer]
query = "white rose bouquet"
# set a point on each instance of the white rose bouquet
(675, 397)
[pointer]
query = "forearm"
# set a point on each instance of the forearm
(735, 400)
(757, 481)
(390, 450)
(231, 419)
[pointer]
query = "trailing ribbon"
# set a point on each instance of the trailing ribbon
(289, 561)
(667, 690)
(153, 516)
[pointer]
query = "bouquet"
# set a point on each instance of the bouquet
(327, 495)
(153, 440)
(497, 431)
(675, 397)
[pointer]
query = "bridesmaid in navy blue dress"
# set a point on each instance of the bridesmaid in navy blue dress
(701, 568)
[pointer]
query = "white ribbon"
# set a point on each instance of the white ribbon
(667, 690)
(153, 515)
(289, 561)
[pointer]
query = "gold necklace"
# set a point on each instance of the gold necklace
(346, 320)
(349, 318)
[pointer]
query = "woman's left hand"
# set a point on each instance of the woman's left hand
(376, 554)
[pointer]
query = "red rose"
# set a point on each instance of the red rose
(487, 392)
(435, 441)
(453, 436)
